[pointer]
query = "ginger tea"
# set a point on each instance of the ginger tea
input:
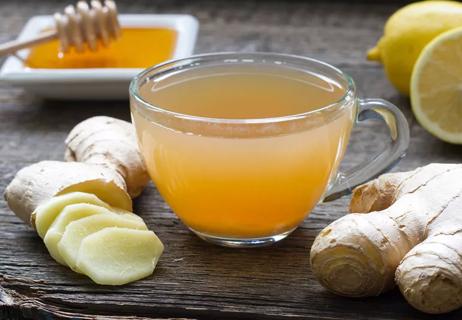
(240, 174)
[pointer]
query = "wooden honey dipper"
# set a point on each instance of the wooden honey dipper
(78, 25)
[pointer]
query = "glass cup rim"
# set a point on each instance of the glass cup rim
(134, 88)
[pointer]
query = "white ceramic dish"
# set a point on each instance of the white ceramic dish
(92, 83)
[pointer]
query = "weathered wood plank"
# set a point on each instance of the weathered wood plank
(195, 279)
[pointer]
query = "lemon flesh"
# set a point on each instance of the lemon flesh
(436, 87)
(407, 32)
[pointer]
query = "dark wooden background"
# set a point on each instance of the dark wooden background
(195, 279)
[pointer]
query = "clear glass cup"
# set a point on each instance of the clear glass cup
(251, 182)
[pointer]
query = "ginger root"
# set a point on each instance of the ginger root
(112, 143)
(407, 228)
(104, 160)
(39, 182)
(79, 229)
(53, 234)
(138, 249)
(68, 202)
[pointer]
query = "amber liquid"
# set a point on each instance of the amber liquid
(252, 184)
(136, 48)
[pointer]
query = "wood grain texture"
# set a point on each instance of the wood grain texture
(195, 279)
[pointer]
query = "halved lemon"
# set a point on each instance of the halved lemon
(436, 87)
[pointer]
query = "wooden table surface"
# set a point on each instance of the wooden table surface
(195, 279)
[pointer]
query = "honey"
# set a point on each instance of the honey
(136, 48)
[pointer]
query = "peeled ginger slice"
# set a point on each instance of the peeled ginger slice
(69, 214)
(46, 213)
(77, 230)
(116, 256)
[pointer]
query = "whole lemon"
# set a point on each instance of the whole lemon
(407, 32)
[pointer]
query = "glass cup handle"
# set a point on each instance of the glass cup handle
(381, 162)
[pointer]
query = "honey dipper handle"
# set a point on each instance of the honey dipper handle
(15, 45)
